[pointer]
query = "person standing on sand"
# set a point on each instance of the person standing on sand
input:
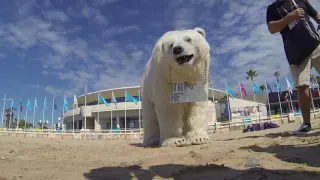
(292, 19)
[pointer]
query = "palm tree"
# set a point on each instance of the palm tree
(276, 74)
(251, 74)
(8, 114)
(262, 87)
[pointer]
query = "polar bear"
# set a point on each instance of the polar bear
(178, 56)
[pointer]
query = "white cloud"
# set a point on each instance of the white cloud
(2, 55)
(113, 31)
(94, 15)
(57, 15)
(239, 39)
(100, 3)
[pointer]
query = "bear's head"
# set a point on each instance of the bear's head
(185, 52)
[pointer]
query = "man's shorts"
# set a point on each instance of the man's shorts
(301, 74)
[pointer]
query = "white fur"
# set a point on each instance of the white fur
(174, 124)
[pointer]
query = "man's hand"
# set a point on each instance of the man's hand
(296, 14)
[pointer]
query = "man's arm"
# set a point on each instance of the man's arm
(279, 25)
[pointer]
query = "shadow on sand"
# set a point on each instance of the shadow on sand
(300, 154)
(183, 172)
(274, 135)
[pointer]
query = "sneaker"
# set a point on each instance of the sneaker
(304, 128)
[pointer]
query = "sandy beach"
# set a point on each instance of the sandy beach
(268, 154)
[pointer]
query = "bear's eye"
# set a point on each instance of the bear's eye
(171, 45)
(188, 39)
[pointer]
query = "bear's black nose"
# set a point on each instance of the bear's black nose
(177, 50)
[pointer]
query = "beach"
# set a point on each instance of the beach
(266, 154)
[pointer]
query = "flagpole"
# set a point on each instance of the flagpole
(25, 121)
(279, 101)
(139, 113)
(228, 102)
(289, 88)
(4, 104)
(265, 82)
(99, 110)
(240, 90)
(74, 105)
(62, 115)
(85, 112)
(52, 113)
(34, 112)
(213, 103)
(125, 114)
(11, 109)
(18, 116)
(44, 106)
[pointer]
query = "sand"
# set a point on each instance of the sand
(268, 154)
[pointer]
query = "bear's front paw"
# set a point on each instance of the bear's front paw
(174, 142)
(199, 139)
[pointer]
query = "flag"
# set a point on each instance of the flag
(243, 89)
(229, 91)
(130, 98)
(269, 87)
(75, 101)
(29, 105)
(256, 89)
(35, 103)
(102, 100)
(65, 104)
(113, 99)
(12, 105)
(289, 87)
(20, 109)
(55, 107)
(278, 85)
(314, 71)
(45, 103)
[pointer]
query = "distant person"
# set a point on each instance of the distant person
(295, 26)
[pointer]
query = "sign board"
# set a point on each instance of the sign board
(182, 93)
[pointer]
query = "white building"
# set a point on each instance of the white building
(125, 115)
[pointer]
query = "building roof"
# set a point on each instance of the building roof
(133, 90)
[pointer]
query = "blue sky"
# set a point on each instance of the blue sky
(56, 47)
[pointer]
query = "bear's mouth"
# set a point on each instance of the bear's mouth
(184, 59)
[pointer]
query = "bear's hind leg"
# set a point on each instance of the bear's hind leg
(151, 133)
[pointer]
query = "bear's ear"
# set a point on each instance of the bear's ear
(201, 31)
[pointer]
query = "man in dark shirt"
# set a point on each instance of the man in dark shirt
(283, 21)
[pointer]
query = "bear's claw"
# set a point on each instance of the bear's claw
(174, 142)
(199, 139)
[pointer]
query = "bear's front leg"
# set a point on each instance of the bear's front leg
(170, 125)
(195, 127)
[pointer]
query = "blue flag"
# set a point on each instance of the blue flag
(45, 104)
(55, 106)
(130, 98)
(278, 85)
(268, 87)
(29, 105)
(113, 98)
(12, 105)
(65, 104)
(102, 100)
(20, 109)
(256, 89)
(229, 91)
